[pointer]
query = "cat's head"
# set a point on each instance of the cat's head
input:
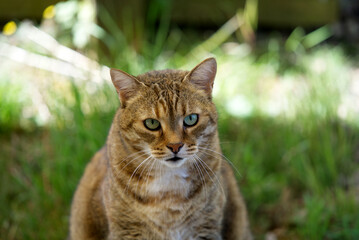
(167, 115)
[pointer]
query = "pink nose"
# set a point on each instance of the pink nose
(175, 147)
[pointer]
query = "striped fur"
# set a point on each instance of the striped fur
(130, 191)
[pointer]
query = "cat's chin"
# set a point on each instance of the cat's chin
(174, 162)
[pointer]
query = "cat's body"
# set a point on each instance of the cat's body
(161, 174)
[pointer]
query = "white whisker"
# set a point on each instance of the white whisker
(143, 152)
(128, 183)
(201, 164)
(144, 168)
(201, 176)
(205, 165)
(132, 160)
(161, 181)
(154, 162)
(220, 154)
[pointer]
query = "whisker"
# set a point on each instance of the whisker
(201, 164)
(128, 183)
(220, 154)
(156, 166)
(201, 176)
(149, 172)
(161, 181)
(205, 165)
(119, 171)
(133, 154)
(142, 153)
(144, 168)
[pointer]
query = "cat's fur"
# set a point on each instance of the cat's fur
(130, 191)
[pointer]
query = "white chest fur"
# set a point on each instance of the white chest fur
(170, 180)
(179, 234)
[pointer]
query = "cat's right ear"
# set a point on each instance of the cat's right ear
(126, 85)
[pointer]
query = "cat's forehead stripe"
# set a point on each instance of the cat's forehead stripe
(162, 106)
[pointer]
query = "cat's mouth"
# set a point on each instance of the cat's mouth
(174, 159)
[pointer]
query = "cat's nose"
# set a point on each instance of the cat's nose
(175, 147)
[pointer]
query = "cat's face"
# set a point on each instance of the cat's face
(168, 115)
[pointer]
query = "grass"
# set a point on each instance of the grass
(280, 126)
(285, 175)
(40, 171)
(293, 178)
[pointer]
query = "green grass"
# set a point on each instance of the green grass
(286, 175)
(295, 175)
(296, 158)
(40, 171)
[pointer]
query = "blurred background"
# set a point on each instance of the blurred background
(287, 93)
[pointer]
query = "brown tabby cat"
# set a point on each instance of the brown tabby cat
(161, 174)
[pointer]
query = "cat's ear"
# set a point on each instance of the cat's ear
(202, 75)
(126, 85)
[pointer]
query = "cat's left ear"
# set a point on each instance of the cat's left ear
(202, 75)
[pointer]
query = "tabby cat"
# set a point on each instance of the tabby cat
(161, 174)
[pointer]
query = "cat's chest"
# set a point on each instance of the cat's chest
(174, 180)
(180, 234)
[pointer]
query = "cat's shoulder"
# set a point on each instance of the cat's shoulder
(97, 167)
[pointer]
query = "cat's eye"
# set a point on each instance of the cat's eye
(190, 120)
(152, 124)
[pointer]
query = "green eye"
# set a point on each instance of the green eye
(152, 124)
(190, 120)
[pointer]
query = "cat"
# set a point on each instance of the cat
(161, 173)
